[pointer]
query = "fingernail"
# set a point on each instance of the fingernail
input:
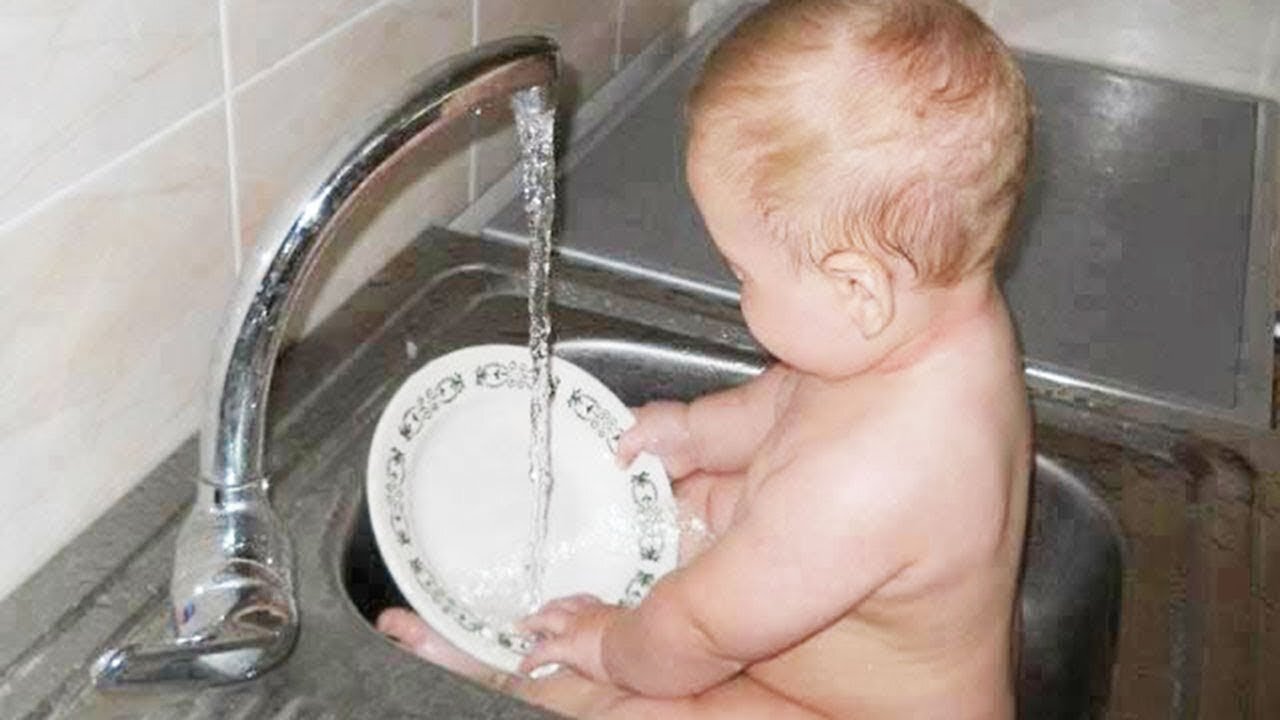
(544, 671)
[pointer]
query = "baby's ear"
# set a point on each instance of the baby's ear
(863, 287)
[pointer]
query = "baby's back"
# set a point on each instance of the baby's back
(953, 450)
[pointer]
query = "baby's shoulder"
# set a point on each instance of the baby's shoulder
(860, 463)
(906, 441)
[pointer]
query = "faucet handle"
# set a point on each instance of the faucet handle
(231, 597)
(240, 654)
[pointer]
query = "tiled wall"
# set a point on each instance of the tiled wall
(142, 145)
(1232, 44)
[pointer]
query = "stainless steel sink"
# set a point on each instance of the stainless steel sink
(1083, 587)
(1071, 585)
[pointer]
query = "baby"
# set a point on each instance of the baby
(857, 163)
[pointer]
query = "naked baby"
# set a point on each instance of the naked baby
(857, 163)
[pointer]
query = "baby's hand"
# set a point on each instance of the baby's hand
(661, 428)
(572, 633)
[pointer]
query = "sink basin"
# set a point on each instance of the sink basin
(1121, 591)
(1072, 577)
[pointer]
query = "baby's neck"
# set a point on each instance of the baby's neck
(933, 319)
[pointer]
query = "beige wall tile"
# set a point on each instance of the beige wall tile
(112, 296)
(1270, 84)
(702, 10)
(1221, 43)
(289, 120)
(982, 7)
(585, 29)
(85, 81)
(261, 32)
(643, 20)
(587, 33)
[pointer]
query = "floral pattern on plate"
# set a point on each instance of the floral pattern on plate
(585, 411)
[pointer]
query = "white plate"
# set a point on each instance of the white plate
(451, 502)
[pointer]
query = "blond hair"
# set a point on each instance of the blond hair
(902, 126)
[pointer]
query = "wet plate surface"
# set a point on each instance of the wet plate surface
(451, 503)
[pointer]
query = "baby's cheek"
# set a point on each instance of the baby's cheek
(748, 307)
(770, 329)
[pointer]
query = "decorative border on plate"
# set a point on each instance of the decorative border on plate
(652, 541)
(509, 374)
(601, 421)
(428, 403)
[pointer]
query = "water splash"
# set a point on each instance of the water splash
(535, 129)
(496, 592)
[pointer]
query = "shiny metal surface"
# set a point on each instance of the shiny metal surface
(232, 597)
(1070, 597)
(1071, 585)
(645, 340)
(231, 446)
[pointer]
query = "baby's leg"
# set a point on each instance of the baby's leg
(739, 698)
(412, 633)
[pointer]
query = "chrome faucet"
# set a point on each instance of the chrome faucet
(233, 608)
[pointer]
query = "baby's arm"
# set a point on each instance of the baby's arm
(809, 547)
(718, 433)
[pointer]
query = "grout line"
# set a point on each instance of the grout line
(164, 133)
(475, 23)
(233, 170)
(313, 43)
(617, 36)
(473, 152)
(87, 178)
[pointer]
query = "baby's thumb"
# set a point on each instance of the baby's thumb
(629, 446)
(542, 658)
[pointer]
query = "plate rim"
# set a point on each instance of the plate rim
(650, 486)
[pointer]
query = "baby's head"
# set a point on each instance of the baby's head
(858, 163)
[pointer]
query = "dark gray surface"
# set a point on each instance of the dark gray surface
(1071, 598)
(1131, 256)
(1131, 259)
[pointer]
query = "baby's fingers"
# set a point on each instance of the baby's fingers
(558, 616)
(661, 427)
(547, 622)
(638, 438)
(630, 444)
(549, 651)
(573, 603)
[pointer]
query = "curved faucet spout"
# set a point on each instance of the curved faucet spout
(231, 442)
(232, 601)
